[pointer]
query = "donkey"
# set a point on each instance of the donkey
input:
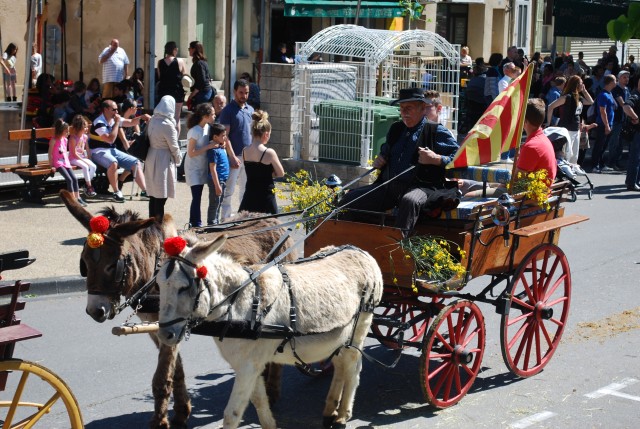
(127, 260)
(323, 305)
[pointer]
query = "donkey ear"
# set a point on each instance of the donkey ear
(203, 249)
(169, 226)
(82, 215)
(126, 229)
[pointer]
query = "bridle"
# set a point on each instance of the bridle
(195, 290)
(121, 272)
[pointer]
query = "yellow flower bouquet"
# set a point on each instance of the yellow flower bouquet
(304, 193)
(535, 186)
(435, 259)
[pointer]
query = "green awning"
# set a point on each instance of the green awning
(341, 9)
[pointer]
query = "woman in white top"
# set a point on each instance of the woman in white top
(162, 158)
(196, 166)
(9, 72)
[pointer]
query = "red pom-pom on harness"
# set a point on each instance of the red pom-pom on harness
(99, 224)
(201, 272)
(173, 246)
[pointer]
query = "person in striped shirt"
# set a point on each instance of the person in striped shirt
(115, 63)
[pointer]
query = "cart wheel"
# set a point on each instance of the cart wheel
(396, 308)
(452, 353)
(43, 386)
(590, 193)
(537, 311)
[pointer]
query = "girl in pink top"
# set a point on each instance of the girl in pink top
(78, 152)
(59, 158)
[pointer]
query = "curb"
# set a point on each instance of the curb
(57, 285)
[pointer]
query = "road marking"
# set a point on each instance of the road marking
(613, 389)
(535, 418)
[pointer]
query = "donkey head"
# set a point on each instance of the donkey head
(183, 283)
(124, 261)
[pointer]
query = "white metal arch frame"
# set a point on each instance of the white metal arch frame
(338, 115)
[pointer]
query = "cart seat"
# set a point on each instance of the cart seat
(495, 172)
(465, 208)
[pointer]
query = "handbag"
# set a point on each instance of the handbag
(141, 145)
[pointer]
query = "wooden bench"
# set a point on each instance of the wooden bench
(33, 173)
(11, 330)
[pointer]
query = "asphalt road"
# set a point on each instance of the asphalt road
(591, 382)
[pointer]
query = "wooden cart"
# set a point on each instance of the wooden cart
(529, 286)
(29, 392)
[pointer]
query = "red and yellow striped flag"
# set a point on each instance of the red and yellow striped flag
(500, 126)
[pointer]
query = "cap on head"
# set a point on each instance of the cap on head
(622, 73)
(333, 180)
(410, 94)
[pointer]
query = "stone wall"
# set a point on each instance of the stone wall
(276, 97)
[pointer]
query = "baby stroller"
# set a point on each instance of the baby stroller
(559, 137)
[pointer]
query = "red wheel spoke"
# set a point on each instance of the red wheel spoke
(534, 281)
(551, 273)
(560, 300)
(438, 386)
(465, 328)
(529, 337)
(444, 342)
(517, 335)
(522, 303)
(448, 382)
(547, 337)
(519, 318)
(451, 331)
(459, 326)
(470, 338)
(441, 366)
(526, 337)
(556, 284)
(456, 377)
(537, 342)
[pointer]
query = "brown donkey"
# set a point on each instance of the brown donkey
(126, 261)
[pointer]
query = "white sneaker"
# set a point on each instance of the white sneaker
(118, 197)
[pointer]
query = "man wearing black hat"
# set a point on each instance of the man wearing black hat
(414, 143)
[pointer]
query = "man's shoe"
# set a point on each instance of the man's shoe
(596, 170)
(606, 168)
(117, 196)
(90, 192)
(633, 188)
(82, 202)
(143, 194)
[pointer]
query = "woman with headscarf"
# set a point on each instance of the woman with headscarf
(163, 156)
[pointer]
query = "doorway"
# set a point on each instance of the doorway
(287, 30)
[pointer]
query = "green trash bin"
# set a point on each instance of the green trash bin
(340, 130)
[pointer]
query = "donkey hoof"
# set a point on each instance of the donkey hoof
(156, 423)
(175, 424)
(327, 421)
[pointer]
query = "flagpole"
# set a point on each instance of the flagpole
(520, 127)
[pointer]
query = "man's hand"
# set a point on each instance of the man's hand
(379, 162)
(234, 162)
(427, 156)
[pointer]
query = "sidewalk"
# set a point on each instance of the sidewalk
(55, 238)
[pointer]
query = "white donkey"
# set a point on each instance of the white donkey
(331, 296)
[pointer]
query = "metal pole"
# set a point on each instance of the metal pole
(81, 74)
(234, 47)
(137, 33)
(27, 74)
(151, 76)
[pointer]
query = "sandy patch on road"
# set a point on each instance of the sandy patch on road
(608, 327)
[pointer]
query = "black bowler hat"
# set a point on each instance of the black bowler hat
(410, 94)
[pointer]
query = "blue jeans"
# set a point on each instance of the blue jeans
(615, 145)
(194, 211)
(602, 140)
(202, 97)
(215, 203)
(633, 166)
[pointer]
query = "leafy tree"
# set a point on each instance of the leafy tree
(412, 9)
(627, 26)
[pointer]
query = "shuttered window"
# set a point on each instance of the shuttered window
(171, 24)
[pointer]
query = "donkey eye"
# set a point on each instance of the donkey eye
(184, 289)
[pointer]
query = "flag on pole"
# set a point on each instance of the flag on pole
(62, 16)
(500, 126)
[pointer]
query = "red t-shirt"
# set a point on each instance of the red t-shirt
(536, 154)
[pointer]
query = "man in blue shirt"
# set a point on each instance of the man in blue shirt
(236, 117)
(604, 119)
(416, 142)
